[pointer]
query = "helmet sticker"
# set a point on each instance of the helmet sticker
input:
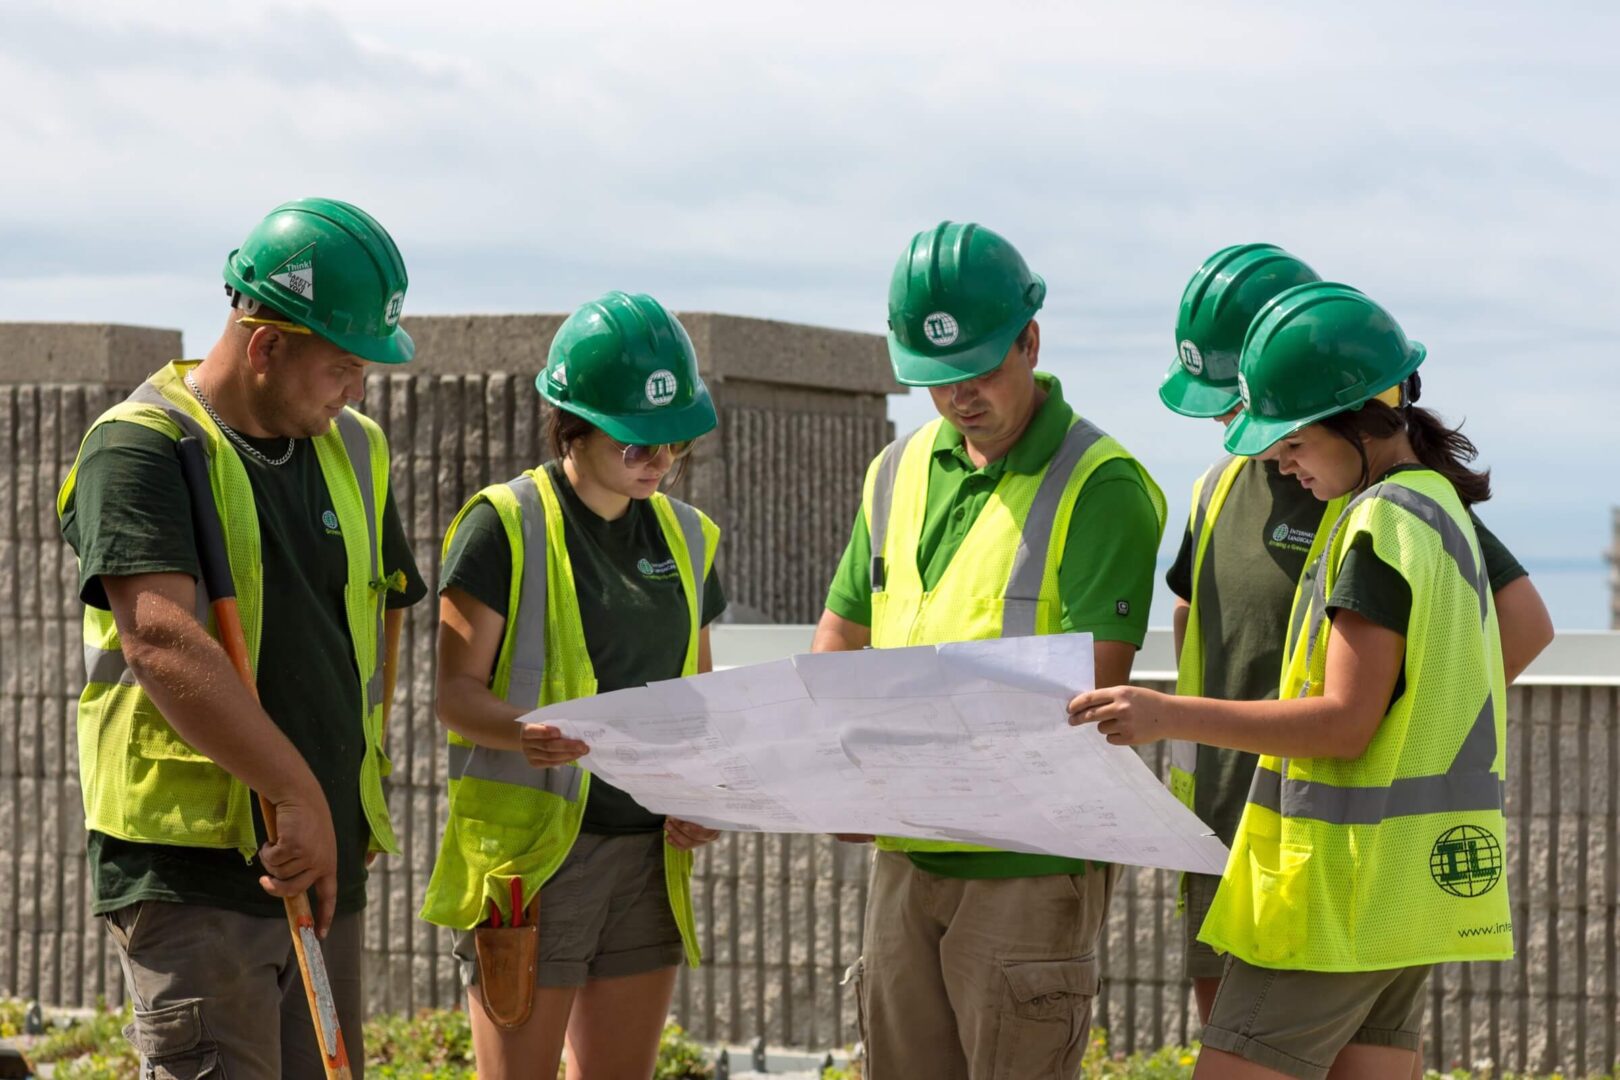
(941, 329)
(661, 387)
(1243, 390)
(297, 274)
(396, 304)
(559, 375)
(1191, 358)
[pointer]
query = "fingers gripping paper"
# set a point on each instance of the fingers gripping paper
(966, 742)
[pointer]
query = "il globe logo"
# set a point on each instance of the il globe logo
(1191, 358)
(1466, 861)
(661, 387)
(1280, 533)
(941, 329)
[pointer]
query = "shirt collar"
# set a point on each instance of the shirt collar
(1033, 449)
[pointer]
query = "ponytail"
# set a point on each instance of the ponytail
(1444, 449)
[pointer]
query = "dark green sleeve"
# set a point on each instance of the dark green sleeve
(129, 513)
(480, 559)
(1105, 580)
(1371, 587)
(714, 595)
(850, 595)
(1179, 576)
(1500, 566)
(397, 557)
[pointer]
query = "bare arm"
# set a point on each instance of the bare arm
(1525, 625)
(1113, 660)
(834, 633)
(1363, 663)
(470, 633)
(1178, 624)
(191, 681)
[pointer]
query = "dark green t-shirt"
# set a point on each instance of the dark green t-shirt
(1255, 558)
(129, 514)
(1105, 578)
(631, 606)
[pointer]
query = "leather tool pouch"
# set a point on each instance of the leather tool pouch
(507, 956)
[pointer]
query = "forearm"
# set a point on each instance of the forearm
(1113, 660)
(834, 633)
(469, 708)
(1301, 727)
(1178, 625)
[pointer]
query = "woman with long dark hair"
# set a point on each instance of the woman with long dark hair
(1371, 846)
(579, 577)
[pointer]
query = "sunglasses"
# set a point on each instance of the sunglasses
(636, 455)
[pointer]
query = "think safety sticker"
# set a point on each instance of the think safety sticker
(297, 274)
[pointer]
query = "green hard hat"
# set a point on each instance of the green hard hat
(1314, 351)
(329, 266)
(626, 365)
(1217, 307)
(959, 298)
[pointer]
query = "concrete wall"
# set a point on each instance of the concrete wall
(801, 412)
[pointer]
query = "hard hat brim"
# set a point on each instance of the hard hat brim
(1190, 396)
(1248, 434)
(913, 368)
(690, 421)
(397, 348)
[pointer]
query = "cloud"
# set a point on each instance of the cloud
(773, 159)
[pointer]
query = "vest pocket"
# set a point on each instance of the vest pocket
(1281, 911)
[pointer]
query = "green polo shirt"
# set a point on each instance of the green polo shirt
(1105, 577)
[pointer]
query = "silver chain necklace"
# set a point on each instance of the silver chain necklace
(231, 433)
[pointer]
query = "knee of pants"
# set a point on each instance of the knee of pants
(173, 1043)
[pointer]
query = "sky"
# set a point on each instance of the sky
(1459, 163)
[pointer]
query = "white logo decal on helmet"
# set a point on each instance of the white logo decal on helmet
(941, 329)
(1243, 390)
(396, 304)
(1191, 358)
(661, 387)
(297, 274)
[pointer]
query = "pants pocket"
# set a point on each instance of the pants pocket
(173, 1044)
(1045, 1016)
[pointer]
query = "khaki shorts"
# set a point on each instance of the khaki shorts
(604, 914)
(1296, 1022)
(1203, 962)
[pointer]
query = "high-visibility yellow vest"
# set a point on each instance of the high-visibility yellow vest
(508, 819)
(1395, 858)
(141, 780)
(1208, 497)
(1003, 580)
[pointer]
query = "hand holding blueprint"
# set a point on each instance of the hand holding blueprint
(966, 742)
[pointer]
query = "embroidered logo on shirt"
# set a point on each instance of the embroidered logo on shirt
(1123, 607)
(662, 570)
(330, 520)
(1286, 536)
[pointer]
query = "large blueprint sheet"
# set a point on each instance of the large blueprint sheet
(966, 742)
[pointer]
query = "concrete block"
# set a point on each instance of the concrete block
(104, 353)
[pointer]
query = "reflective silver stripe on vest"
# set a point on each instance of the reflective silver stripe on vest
(528, 667)
(529, 631)
(511, 767)
(877, 524)
(109, 665)
(1206, 494)
(1029, 561)
(1468, 785)
(358, 447)
(1452, 541)
(696, 544)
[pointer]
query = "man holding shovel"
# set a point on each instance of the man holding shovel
(172, 745)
